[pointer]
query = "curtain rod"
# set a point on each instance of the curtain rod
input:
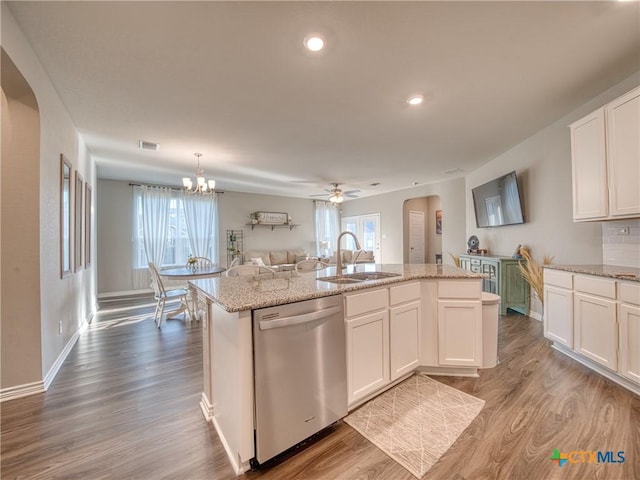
(163, 186)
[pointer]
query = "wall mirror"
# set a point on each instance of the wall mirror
(65, 216)
(78, 240)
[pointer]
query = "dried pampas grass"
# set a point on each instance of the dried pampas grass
(532, 272)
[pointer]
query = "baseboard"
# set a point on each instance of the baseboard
(623, 382)
(238, 467)
(450, 371)
(33, 388)
(206, 407)
(53, 371)
(125, 293)
(535, 315)
(19, 391)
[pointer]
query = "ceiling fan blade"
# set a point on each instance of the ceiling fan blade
(351, 192)
(350, 195)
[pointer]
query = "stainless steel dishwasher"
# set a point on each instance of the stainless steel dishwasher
(300, 372)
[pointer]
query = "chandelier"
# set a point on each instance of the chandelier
(201, 186)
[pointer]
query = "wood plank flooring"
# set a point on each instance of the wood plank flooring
(125, 406)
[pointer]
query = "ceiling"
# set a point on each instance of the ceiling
(232, 81)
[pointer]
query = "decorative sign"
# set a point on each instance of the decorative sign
(273, 218)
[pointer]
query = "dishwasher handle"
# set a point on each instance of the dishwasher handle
(298, 319)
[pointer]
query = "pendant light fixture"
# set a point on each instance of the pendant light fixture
(202, 186)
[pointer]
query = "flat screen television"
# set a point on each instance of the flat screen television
(497, 202)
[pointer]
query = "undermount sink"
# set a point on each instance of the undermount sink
(358, 277)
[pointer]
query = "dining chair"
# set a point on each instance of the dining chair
(161, 295)
(310, 265)
(234, 262)
(201, 262)
(248, 270)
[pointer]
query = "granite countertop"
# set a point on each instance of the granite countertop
(611, 271)
(236, 294)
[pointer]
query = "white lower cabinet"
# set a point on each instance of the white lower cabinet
(383, 337)
(595, 329)
(459, 323)
(558, 307)
(367, 330)
(629, 323)
(404, 338)
(367, 354)
(598, 318)
(460, 333)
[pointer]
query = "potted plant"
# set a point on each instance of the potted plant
(254, 216)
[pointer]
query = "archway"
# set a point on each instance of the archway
(430, 210)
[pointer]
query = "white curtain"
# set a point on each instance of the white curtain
(201, 217)
(327, 227)
(155, 215)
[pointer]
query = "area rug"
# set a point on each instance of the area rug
(416, 421)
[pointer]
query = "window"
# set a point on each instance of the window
(177, 247)
(327, 228)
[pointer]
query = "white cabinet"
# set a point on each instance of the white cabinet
(383, 337)
(589, 167)
(629, 323)
(404, 328)
(558, 307)
(367, 331)
(367, 354)
(623, 154)
(595, 328)
(605, 154)
(459, 323)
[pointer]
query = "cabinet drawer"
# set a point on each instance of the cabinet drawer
(404, 293)
(629, 292)
(558, 278)
(595, 286)
(369, 301)
(475, 261)
(471, 289)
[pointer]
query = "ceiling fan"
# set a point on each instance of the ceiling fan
(336, 195)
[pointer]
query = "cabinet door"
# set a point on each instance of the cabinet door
(558, 315)
(459, 333)
(514, 290)
(629, 365)
(589, 167)
(404, 333)
(595, 329)
(367, 354)
(623, 154)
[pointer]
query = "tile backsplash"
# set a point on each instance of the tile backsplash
(619, 248)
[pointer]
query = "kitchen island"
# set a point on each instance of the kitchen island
(424, 317)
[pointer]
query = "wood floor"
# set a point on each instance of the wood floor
(125, 406)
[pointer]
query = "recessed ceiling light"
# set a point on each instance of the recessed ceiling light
(415, 99)
(314, 42)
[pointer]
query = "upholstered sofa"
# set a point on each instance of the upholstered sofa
(281, 259)
(365, 256)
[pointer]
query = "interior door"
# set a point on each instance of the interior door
(416, 237)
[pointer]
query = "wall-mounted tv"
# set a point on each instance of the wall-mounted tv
(497, 202)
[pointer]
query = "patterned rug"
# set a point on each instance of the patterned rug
(416, 421)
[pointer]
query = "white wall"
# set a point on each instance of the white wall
(543, 165)
(114, 224)
(71, 300)
(390, 207)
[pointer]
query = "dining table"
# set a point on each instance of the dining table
(188, 273)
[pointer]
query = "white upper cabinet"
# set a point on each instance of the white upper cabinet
(605, 153)
(623, 154)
